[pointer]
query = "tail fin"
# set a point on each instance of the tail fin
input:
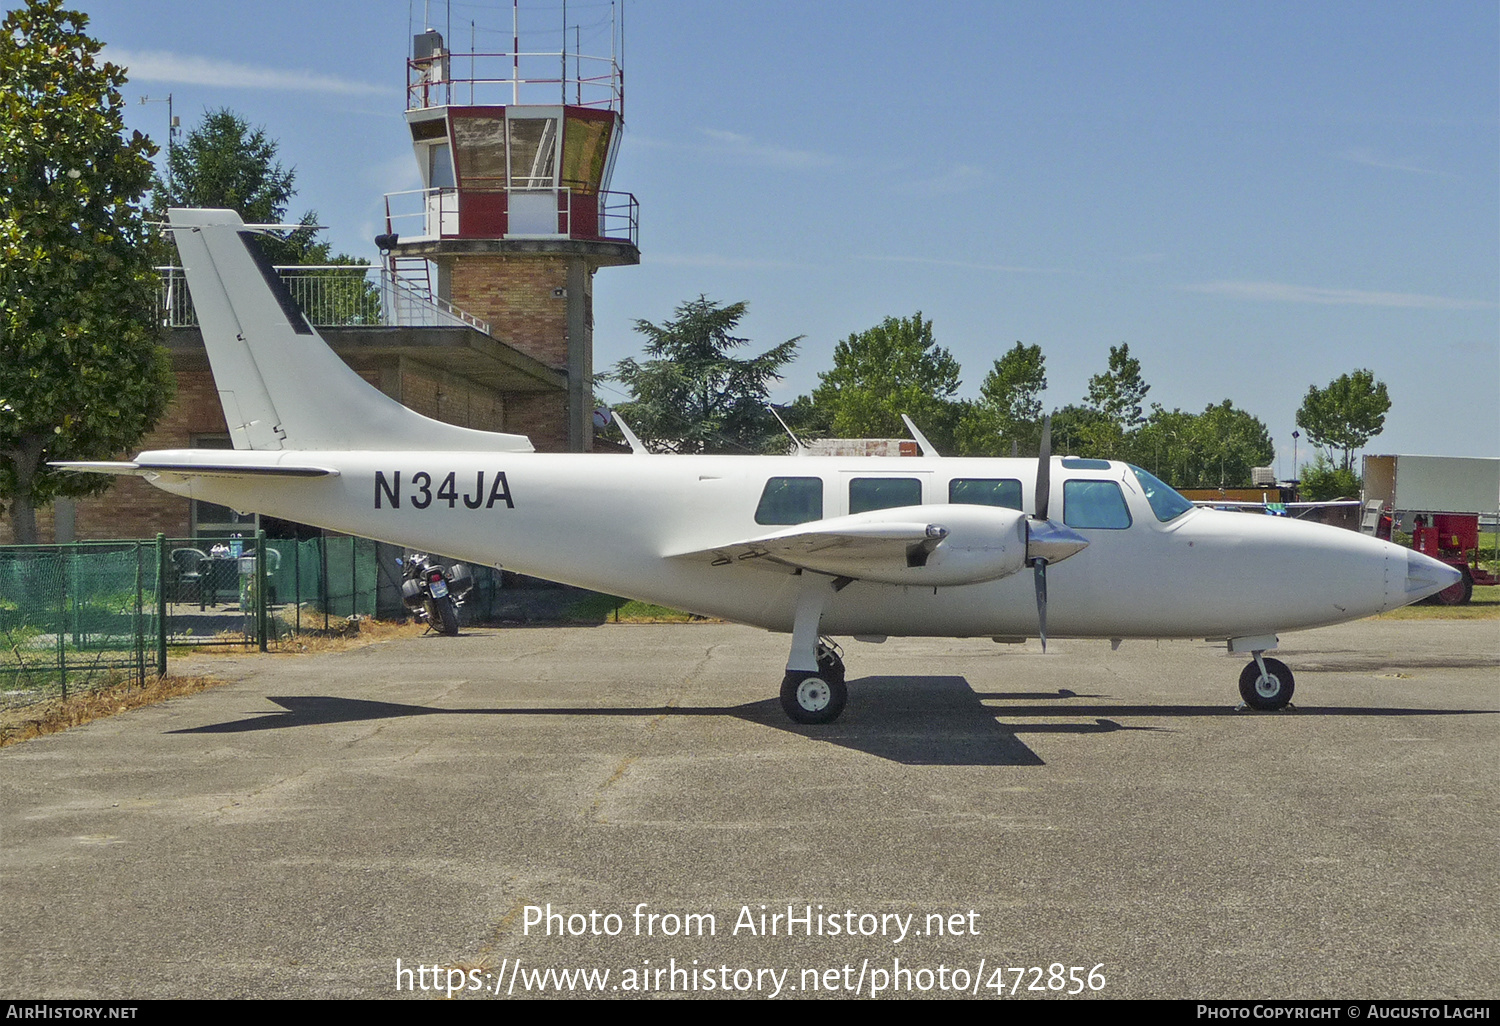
(281, 386)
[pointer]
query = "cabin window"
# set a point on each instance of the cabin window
(867, 493)
(1164, 500)
(790, 500)
(975, 491)
(1095, 504)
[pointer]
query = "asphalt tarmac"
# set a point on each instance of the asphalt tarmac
(983, 818)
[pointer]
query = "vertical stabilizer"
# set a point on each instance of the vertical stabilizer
(281, 386)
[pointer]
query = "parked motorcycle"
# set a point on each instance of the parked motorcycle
(434, 594)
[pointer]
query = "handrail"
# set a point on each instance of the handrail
(331, 299)
(617, 219)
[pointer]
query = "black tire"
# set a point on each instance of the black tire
(1457, 594)
(447, 617)
(812, 698)
(1271, 693)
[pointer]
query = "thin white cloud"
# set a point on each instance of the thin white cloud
(743, 147)
(163, 66)
(1370, 158)
(961, 178)
(969, 265)
(1280, 292)
(715, 260)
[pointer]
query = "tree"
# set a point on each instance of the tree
(1323, 482)
(1212, 449)
(224, 163)
(693, 397)
(84, 378)
(1009, 409)
(1346, 414)
(1119, 392)
(893, 368)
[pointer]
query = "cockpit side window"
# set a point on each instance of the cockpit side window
(790, 500)
(1095, 504)
(1164, 500)
(974, 491)
(867, 493)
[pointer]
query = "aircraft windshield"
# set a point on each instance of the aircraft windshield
(1164, 500)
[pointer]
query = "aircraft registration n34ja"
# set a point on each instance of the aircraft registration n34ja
(813, 546)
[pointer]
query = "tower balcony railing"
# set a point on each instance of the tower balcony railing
(563, 213)
(507, 79)
(334, 296)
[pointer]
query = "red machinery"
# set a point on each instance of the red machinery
(1450, 537)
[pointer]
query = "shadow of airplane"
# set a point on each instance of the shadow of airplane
(917, 721)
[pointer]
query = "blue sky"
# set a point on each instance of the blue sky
(1256, 197)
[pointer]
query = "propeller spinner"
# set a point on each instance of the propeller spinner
(1047, 541)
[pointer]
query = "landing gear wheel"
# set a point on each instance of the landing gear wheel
(1270, 691)
(830, 662)
(1457, 594)
(812, 697)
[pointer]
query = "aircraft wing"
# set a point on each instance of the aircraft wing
(891, 546)
(183, 471)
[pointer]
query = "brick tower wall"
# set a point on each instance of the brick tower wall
(516, 295)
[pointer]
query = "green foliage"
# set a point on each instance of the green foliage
(1322, 481)
(1009, 411)
(806, 419)
(83, 375)
(1077, 430)
(1106, 426)
(893, 368)
(1120, 392)
(1346, 414)
(1213, 449)
(692, 396)
(225, 164)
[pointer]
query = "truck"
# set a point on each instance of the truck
(1438, 500)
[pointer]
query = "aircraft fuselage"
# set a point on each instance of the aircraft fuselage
(617, 524)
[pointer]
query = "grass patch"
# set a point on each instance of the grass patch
(57, 714)
(1485, 605)
(610, 609)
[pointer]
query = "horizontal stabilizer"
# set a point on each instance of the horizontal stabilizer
(187, 470)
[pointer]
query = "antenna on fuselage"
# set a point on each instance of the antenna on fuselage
(801, 449)
(928, 449)
(604, 417)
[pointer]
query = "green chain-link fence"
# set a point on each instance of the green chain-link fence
(77, 616)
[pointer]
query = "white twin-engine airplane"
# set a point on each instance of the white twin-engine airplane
(818, 547)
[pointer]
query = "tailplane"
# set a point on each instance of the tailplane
(282, 387)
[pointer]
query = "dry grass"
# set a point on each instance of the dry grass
(59, 714)
(341, 636)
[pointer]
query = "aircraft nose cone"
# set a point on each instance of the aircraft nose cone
(1427, 576)
(1053, 542)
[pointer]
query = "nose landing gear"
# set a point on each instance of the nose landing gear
(1266, 684)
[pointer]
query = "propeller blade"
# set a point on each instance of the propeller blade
(1040, 570)
(1044, 470)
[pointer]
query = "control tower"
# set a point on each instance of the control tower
(515, 213)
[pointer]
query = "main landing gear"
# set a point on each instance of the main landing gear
(816, 696)
(813, 689)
